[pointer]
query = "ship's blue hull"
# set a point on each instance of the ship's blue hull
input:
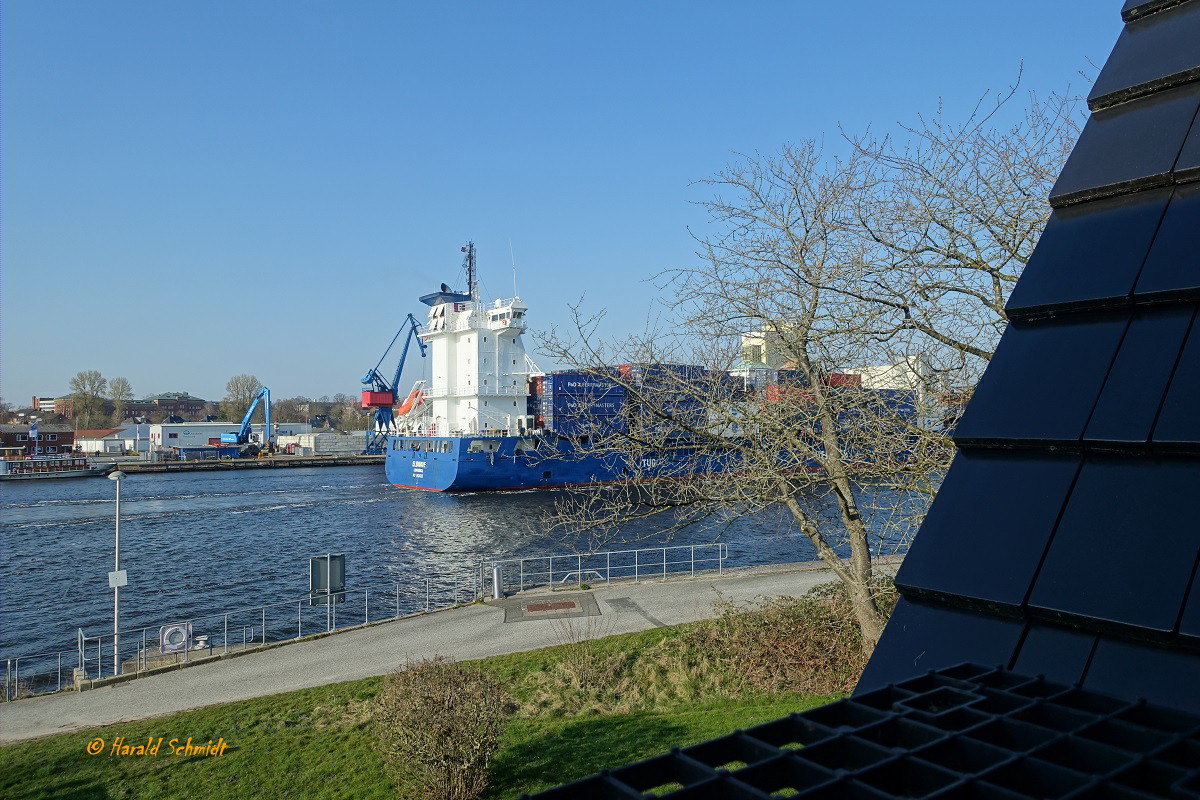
(452, 464)
(481, 464)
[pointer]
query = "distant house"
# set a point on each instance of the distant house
(51, 438)
(175, 404)
(102, 440)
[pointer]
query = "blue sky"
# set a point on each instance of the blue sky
(198, 189)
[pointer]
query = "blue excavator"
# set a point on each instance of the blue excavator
(251, 444)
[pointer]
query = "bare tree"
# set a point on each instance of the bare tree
(873, 289)
(87, 397)
(239, 394)
(120, 392)
(288, 409)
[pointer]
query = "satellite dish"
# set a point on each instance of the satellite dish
(445, 288)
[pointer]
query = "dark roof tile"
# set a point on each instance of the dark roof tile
(1090, 254)
(1128, 147)
(1172, 269)
(1043, 380)
(1138, 380)
(974, 511)
(921, 637)
(1122, 552)
(1154, 52)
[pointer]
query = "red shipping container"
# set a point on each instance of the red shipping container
(776, 394)
(841, 380)
(376, 399)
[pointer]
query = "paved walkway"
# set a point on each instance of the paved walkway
(471, 632)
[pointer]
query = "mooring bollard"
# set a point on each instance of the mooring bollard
(497, 589)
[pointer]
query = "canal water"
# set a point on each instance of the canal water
(200, 543)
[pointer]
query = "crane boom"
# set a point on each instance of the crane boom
(381, 394)
(242, 436)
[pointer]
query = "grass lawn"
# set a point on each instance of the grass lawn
(318, 743)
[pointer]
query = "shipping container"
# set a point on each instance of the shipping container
(568, 404)
(579, 383)
(575, 426)
(842, 380)
(377, 400)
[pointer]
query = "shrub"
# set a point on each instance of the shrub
(810, 644)
(438, 724)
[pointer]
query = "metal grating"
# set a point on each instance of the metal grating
(964, 732)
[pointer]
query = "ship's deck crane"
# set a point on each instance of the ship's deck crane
(243, 434)
(381, 395)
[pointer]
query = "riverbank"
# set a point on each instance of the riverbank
(319, 743)
(270, 462)
(470, 632)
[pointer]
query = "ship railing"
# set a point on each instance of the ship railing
(577, 570)
(137, 650)
(482, 391)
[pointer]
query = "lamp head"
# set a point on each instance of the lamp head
(116, 476)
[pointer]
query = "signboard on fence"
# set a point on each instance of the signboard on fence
(326, 579)
(174, 638)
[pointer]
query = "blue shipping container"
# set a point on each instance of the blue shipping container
(567, 404)
(578, 383)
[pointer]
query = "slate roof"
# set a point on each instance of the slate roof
(1064, 540)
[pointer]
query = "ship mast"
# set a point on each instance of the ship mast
(469, 266)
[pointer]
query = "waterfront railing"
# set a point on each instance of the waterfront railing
(577, 570)
(139, 650)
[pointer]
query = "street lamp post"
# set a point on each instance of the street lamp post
(116, 578)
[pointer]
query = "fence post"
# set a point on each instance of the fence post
(608, 568)
(693, 561)
(225, 635)
(721, 559)
(99, 658)
(551, 572)
(143, 649)
(427, 595)
(366, 607)
(299, 622)
(264, 623)
(522, 563)
(579, 570)
(635, 565)
(397, 600)
(664, 563)
(59, 670)
(7, 676)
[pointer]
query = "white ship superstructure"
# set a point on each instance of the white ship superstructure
(479, 370)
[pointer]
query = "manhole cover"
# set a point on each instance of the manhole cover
(518, 609)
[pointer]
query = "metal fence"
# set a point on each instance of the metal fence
(137, 650)
(519, 574)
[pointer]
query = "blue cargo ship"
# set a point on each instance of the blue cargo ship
(488, 419)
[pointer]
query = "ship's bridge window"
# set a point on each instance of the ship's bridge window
(415, 444)
(445, 447)
(481, 446)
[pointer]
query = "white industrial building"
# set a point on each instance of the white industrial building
(114, 441)
(200, 434)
